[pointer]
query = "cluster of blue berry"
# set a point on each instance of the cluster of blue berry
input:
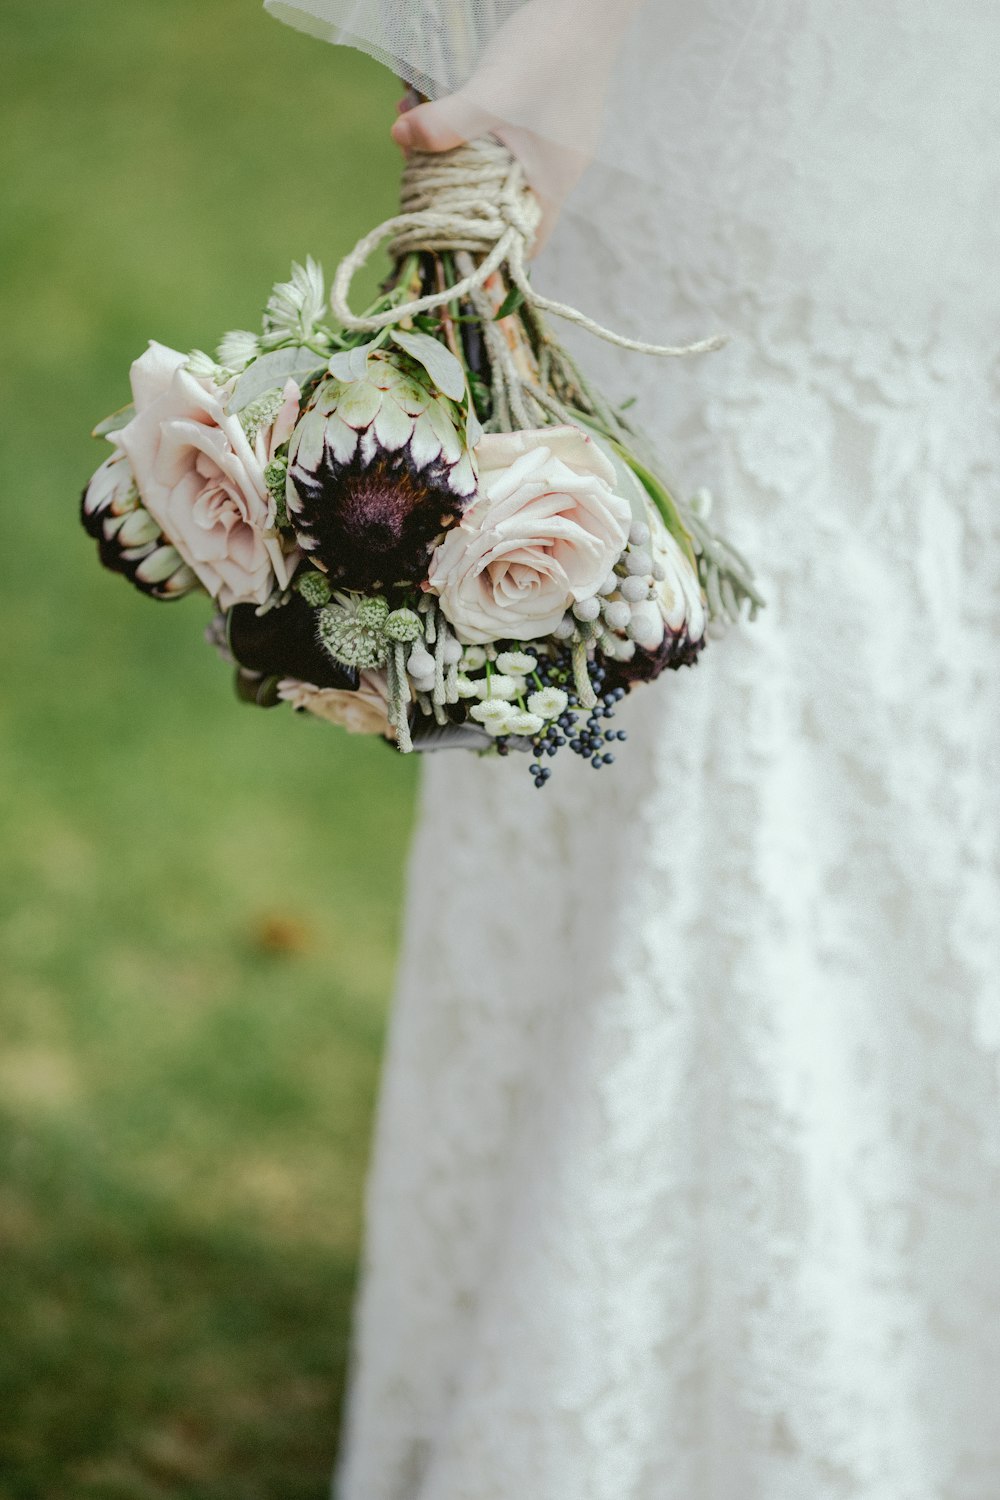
(590, 739)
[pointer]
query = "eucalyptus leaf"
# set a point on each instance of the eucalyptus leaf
(637, 485)
(116, 421)
(270, 371)
(441, 365)
(352, 364)
(665, 504)
(627, 482)
(510, 304)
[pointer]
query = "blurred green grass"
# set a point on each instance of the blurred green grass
(198, 901)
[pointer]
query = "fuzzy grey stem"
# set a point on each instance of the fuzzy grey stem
(581, 676)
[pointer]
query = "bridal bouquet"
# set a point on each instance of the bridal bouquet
(421, 522)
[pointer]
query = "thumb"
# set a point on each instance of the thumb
(440, 125)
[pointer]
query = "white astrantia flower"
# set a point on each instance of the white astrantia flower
(501, 686)
(238, 348)
(528, 724)
(295, 307)
(548, 703)
(517, 663)
(203, 367)
(494, 715)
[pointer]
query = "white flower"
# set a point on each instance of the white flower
(466, 688)
(296, 306)
(363, 711)
(501, 686)
(548, 703)
(678, 593)
(545, 531)
(518, 663)
(473, 657)
(494, 715)
(203, 367)
(528, 724)
(238, 348)
(202, 479)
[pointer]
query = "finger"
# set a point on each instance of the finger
(425, 128)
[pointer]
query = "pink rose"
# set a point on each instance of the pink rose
(364, 711)
(202, 479)
(545, 532)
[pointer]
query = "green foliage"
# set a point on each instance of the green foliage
(191, 999)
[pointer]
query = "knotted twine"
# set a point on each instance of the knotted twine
(474, 201)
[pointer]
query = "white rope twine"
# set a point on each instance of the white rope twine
(471, 201)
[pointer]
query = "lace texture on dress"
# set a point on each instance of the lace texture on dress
(687, 1175)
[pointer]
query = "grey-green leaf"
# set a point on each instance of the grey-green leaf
(441, 365)
(269, 371)
(351, 364)
(116, 421)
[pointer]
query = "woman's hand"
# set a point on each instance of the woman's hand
(539, 86)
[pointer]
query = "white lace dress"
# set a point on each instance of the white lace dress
(686, 1182)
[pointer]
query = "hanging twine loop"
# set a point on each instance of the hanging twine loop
(475, 200)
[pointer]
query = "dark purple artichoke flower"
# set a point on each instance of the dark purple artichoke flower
(378, 469)
(283, 642)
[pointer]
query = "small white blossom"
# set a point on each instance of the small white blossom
(503, 687)
(473, 658)
(494, 715)
(238, 348)
(528, 724)
(518, 663)
(548, 703)
(466, 688)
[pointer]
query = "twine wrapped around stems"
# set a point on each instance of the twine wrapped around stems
(474, 201)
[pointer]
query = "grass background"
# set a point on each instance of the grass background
(198, 900)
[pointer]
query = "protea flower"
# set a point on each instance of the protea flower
(666, 607)
(378, 469)
(129, 540)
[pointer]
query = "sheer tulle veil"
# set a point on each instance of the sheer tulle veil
(588, 93)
